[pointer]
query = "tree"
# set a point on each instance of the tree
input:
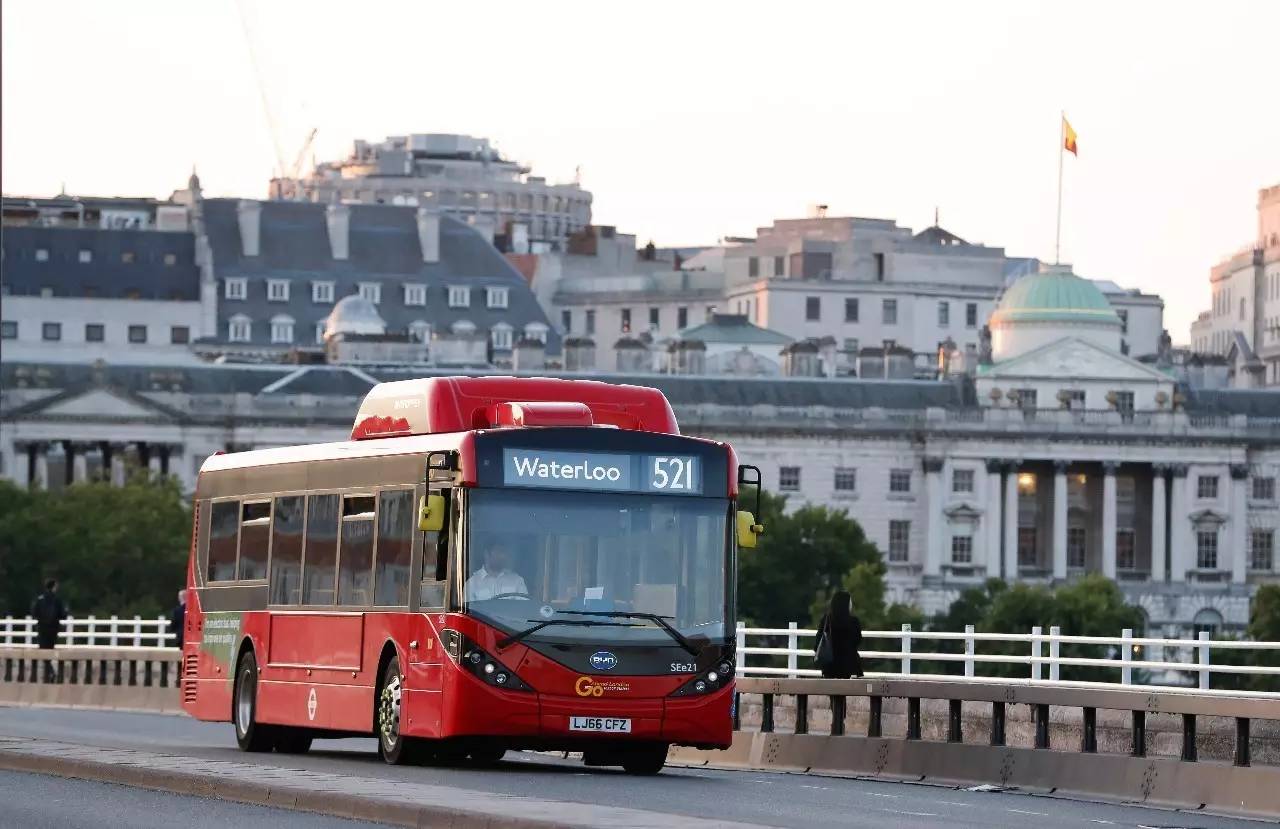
(120, 550)
(801, 559)
(1264, 616)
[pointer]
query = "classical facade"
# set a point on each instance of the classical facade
(458, 175)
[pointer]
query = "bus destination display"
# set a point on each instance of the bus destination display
(665, 474)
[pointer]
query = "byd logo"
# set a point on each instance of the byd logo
(603, 661)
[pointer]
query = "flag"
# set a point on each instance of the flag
(1068, 137)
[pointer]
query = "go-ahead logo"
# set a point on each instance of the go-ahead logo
(603, 661)
(588, 687)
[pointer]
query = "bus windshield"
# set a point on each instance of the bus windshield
(543, 557)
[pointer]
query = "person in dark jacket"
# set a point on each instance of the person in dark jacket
(48, 611)
(178, 619)
(845, 633)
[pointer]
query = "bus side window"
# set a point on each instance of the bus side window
(286, 551)
(435, 560)
(224, 530)
(395, 546)
(319, 575)
(255, 535)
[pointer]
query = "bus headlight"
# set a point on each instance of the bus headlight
(482, 666)
(713, 680)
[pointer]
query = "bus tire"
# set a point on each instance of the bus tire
(645, 761)
(251, 735)
(293, 741)
(393, 747)
(487, 755)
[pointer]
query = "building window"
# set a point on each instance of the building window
(282, 329)
(971, 315)
(9, 330)
(879, 257)
(1264, 489)
(813, 308)
(566, 321)
(500, 335)
(1076, 547)
(944, 314)
(655, 319)
(1124, 402)
(846, 479)
(51, 331)
(789, 478)
(682, 318)
(459, 296)
(371, 291)
(1262, 548)
(624, 324)
(962, 480)
(851, 309)
(42, 254)
(899, 480)
(1124, 321)
(1072, 398)
(1027, 546)
(961, 549)
(899, 540)
(137, 334)
(179, 334)
(1024, 398)
(496, 297)
(536, 331)
(236, 287)
(320, 326)
(238, 329)
(94, 332)
(779, 266)
(415, 294)
(889, 312)
(1126, 551)
(128, 257)
(591, 321)
(1207, 549)
(322, 292)
(711, 312)
(170, 259)
(86, 256)
(753, 267)
(277, 290)
(1207, 486)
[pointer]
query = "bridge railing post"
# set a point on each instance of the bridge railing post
(1055, 651)
(1126, 656)
(1203, 636)
(741, 645)
(1036, 632)
(7, 630)
(968, 650)
(115, 631)
(162, 632)
(137, 631)
(793, 644)
(906, 649)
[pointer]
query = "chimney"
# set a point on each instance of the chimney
(529, 354)
(429, 235)
(579, 354)
(519, 237)
(338, 218)
(249, 214)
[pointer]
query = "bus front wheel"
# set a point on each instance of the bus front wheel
(646, 761)
(393, 747)
(250, 734)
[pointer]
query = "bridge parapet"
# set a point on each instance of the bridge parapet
(131, 678)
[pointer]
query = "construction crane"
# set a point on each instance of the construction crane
(295, 172)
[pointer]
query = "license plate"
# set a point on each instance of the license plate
(611, 725)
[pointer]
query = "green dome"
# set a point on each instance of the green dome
(1054, 295)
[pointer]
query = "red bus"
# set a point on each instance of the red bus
(488, 564)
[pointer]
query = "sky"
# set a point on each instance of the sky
(692, 121)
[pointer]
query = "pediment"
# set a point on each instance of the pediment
(99, 403)
(963, 512)
(1076, 358)
(1207, 516)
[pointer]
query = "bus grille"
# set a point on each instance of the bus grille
(190, 668)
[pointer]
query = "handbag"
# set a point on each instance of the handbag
(824, 654)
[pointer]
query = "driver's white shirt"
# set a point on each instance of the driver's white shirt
(485, 585)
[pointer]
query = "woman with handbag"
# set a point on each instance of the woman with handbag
(839, 635)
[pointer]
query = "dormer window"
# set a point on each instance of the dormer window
(371, 291)
(459, 296)
(236, 287)
(501, 336)
(239, 328)
(322, 292)
(536, 331)
(278, 290)
(42, 254)
(496, 297)
(415, 295)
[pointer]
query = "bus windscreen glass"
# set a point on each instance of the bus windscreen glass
(537, 556)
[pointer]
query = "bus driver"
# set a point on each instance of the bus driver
(495, 578)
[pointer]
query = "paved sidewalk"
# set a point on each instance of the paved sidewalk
(400, 804)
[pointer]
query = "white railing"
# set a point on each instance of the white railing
(1183, 662)
(91, 631)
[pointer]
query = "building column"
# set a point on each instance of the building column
(1060, 520)
(165, 453)
(153, 460)
(79, 463)
(1179, 530)
(1238, 524)
(117, 465)
(1011, 522)
(937, 519)
(1159, 524)
(41, 478)
(993, 532)
(21, 472)
(1109, 518)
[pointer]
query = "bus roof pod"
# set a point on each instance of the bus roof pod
(454, 404)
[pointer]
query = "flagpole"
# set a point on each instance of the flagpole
(1062, 138)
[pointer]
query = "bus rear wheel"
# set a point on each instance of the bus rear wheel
(394, 748)
(250, 734)
(645, 761)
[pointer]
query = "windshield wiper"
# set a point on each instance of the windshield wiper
(660, 621)
(516, 637)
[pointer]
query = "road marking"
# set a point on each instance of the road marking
(1025, 812)
(912, 814)
(955, 803)
(821, 788)
(1100, 820)
(877, 794)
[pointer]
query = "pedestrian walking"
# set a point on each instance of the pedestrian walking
(48, 611)
(178, 619)
(839, 635)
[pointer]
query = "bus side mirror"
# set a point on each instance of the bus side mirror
(431, 510)
(748, 529)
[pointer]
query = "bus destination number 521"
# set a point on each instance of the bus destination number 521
(674, 474)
